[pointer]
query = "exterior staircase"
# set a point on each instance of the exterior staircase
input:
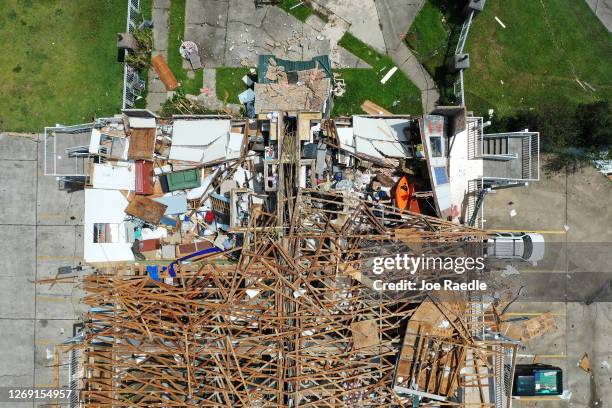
(495, 146)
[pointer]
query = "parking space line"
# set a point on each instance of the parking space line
(527, 230)
(57, 258)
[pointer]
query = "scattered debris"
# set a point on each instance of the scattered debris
(539, 326)
(584, 363)
(388, 75)
(164, 72)
(235, 254)
(189, 51)
(500, 22)
(510, 270)
(371, 108)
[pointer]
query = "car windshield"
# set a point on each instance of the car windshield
(528, 247)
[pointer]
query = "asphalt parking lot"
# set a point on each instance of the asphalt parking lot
(40, 230)
(572, 213)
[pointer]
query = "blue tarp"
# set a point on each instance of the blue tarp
(153, 272)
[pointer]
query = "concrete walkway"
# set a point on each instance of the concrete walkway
(41, 229)
(157, 94)
(603, 10)
(362, 17)
(396, 17)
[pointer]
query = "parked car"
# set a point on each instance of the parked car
(526, 246)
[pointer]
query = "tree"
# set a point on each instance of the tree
(573, 135)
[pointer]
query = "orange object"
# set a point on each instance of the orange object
(164, 72)
(371, 108)
(404, 196)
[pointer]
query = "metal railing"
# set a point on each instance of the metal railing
(475, 132)
(465, 29)
(132, 84)
(531, 167)
(74, 377)
(53, 154)
(459, 89)
(474, 213)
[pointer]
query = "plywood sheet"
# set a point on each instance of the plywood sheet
(164, 72)
(146, 209)
(539, 326)
(142, 143)
(365, 334)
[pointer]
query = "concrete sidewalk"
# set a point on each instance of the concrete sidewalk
(395, 18)
(603, 11)
(41, 229)
(158, 94)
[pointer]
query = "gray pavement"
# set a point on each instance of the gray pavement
(234, 33)
(157, 93)
(40, 230)
(362, 17)
(571, 212)
(603, 10)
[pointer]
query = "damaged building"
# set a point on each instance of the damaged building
(234, 255)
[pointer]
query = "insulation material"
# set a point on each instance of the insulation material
(108, 177)
(346, 139)
(142, 123)
(381, 138)
(365, 334)
(201, 141)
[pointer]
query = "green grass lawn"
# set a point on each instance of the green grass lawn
(59, 62)
(398, 95)
(433, 38)
(301, 12)
(536, 59)
(428, 36)
(229, 83)
(176, 35)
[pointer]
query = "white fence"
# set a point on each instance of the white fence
(132, 84)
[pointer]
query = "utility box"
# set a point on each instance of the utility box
(461, 61)
(477, 5)
(535, 380)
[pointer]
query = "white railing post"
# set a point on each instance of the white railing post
(133, 9)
